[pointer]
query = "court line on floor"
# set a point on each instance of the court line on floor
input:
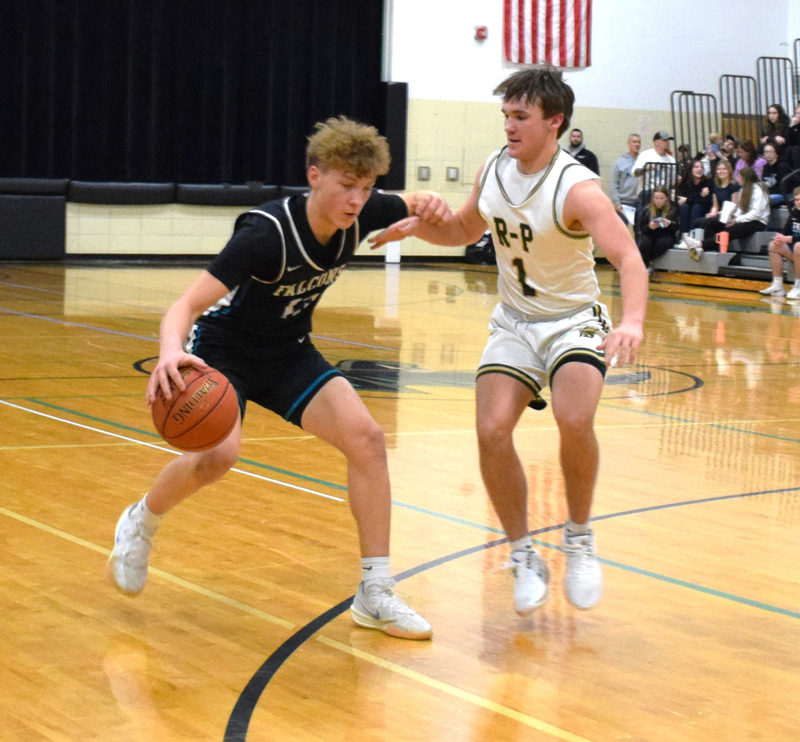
(82, 326)
(238, 725)
(239, 721)
(300, 637)
(165, 449)
(167, 576)
(455, 692)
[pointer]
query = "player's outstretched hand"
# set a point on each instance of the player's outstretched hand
(621, 344)
(166, 369)
(395, 232)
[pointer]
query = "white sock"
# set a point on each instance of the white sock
(150, 520)
(375, 568)
(521, 544)
(796, 283)
(577, 529)
(778, 281)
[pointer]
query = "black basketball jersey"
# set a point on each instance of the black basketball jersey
(277, 271)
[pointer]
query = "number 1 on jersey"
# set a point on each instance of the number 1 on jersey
(526, 289)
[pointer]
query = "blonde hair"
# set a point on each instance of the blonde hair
(655, 212)
(348, 146)
(727, 165)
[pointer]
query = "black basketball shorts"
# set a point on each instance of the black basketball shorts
(282, 376)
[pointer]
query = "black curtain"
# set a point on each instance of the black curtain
(190, 91)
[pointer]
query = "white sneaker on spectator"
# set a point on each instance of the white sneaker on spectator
(531, 576)
(794, 293)
(773, 289)
(695, 247)
(376, 606)
(583, 584)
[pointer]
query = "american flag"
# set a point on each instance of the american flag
(556, 32)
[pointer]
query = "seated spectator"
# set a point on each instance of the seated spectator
(751, 216)
(775, 128)
(694, 196)
(748, 157)
(658, 153)
(786, 244)
(729, 147)
(723, 189)
(773, 174)
(791, 151)
(658, 227)
(683, 158)
(713, 154)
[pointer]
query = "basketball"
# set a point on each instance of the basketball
(199, 417)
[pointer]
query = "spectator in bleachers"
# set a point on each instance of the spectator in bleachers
(773, 173)
(577, 148)
(791, 152)
(723, 189)
(730, 145)
(786, 244)
(683, 157)
(713, 154)
(658, 227)
(751, 216)
(694, 196)
(624, 186)
(748, 157)
(659, 152)
(775, 128)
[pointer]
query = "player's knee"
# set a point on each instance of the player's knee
(367, 440)
(574, 422)
(493, 432)
(213, 465)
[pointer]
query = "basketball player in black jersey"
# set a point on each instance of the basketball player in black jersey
(249, 315)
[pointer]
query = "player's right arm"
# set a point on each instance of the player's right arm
(458, 229)
(175, 327)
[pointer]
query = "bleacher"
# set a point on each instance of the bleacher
(739, 109)
(746, 259)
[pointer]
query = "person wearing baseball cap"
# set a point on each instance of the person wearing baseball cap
(659, 152)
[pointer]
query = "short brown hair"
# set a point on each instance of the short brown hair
(543, 86)
(346, 145)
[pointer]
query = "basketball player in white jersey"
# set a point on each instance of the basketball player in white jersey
(546, 212)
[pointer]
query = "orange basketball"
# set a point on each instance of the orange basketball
(199, 417)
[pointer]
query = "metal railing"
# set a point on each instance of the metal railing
(694, 117)
(741, 115)
(776, 83)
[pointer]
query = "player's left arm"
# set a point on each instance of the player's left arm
(587, 209)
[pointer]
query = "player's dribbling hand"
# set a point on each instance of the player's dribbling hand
(620, 346)
(166, 370)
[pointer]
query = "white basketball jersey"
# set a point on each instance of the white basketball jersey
(545, 271)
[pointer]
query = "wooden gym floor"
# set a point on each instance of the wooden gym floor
(243, 633)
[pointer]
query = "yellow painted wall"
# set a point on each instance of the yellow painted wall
(441, 134)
